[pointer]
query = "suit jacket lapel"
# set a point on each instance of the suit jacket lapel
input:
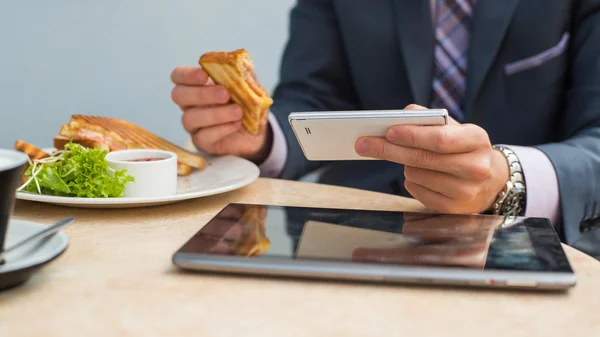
(490, 22)
(414, 23)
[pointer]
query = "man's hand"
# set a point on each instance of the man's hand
(450, 169)
(214, 123)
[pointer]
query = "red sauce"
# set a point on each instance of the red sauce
(147, 159)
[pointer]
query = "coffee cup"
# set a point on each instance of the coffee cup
(12, 165)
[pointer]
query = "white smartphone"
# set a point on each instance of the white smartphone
(331, 135)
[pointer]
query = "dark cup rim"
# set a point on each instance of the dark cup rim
(19, 158)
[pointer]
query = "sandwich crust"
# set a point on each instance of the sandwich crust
(60, 142)
(33, 152)
(30, 150)
(223, 57)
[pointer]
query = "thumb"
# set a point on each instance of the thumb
(415, 107)
(451, 121)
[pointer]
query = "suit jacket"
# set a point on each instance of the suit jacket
(533, 80)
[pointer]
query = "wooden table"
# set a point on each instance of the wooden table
(116, 279)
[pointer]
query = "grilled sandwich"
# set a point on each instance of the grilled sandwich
(113, 134)
(235, 71)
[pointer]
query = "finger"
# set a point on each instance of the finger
(220, 247)
(444, 183)
(224, 245)
(440, 139)
(186, 75)
(432, 200)
(234, 232)
(188, 96)
(224, 146)
(414, 107)
(202, 117)
(207, 139)
(451, 121)
(472, 165)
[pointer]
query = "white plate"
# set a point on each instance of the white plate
(221, 174)
(22, 262)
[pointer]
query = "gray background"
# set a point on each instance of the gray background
(114, 58)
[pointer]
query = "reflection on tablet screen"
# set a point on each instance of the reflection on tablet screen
(413, 239)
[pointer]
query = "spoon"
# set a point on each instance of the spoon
(43, 233)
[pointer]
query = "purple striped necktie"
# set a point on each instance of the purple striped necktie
(452, 29)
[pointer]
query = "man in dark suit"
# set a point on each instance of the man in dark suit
(524, 73)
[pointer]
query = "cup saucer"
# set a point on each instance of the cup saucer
(19, 265)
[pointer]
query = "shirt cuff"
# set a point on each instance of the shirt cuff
(543, 198)
(273, 165)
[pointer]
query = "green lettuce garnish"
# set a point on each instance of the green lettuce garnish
(76, 171)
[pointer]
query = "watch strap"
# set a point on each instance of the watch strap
(511, 200)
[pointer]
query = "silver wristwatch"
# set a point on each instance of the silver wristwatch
(511, 201)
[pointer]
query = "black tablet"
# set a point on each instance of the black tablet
(380, 246)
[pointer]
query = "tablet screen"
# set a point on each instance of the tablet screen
(382, 237)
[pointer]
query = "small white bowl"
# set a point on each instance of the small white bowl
(154, 171)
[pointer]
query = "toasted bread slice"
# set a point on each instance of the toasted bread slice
(117, 134)
(31, 150)
(235, 71)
